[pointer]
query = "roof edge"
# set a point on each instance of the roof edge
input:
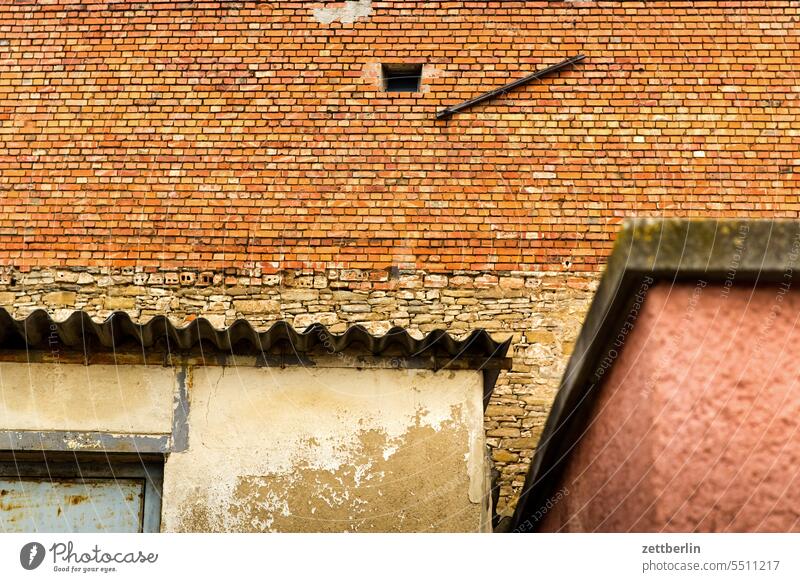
(646, 250)
(80, 332)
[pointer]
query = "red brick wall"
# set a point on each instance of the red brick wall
(241, 134)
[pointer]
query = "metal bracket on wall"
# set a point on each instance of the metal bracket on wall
(445, 113)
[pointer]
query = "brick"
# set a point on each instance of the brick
(115, 303)
(503, 456)
(256, 306)
(59, 298)
(540, 337)
(499, 410)
(520, 443)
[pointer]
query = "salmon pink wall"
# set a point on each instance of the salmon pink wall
(697, 427)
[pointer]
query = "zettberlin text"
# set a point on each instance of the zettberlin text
(671, 549)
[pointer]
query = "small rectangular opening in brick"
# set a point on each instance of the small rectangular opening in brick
(402, 77)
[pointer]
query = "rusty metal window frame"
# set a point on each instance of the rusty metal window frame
(93, 467)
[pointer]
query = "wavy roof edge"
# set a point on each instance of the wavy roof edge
(118, 330)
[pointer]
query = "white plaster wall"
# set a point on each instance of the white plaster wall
(73, 397)
(302, 449)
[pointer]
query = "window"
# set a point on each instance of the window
(401, 77)
(93, 494)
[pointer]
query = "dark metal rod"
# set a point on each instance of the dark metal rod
(444, 113)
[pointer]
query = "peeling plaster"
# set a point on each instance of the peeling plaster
(305, 450)
(344, 12)
(78, 442)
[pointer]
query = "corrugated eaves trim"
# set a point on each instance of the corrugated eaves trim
(80, 331)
